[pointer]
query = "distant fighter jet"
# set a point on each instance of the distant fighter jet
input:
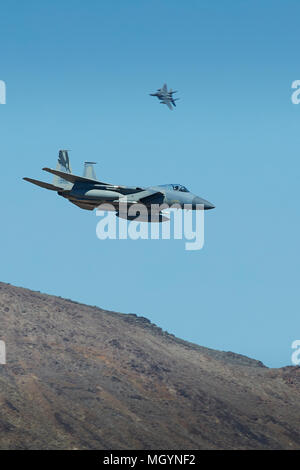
(87, 192)
(165, 96)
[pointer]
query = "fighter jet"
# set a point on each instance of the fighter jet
(165, 96)
(88, 193)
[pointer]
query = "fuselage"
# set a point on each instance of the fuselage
(94, 195)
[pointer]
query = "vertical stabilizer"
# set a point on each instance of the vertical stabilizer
(89, 170)
(63, 164)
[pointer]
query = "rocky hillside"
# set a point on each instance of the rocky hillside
(79, 377)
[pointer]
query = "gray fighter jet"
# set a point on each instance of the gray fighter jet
(165, 96)
(87, 192)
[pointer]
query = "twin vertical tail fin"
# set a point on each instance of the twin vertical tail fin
(89, 170)
(63, 164)
(64, 161)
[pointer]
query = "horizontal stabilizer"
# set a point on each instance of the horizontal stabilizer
(73, 178)
(43, 185)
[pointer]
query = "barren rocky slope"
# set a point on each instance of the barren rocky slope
(78, 377)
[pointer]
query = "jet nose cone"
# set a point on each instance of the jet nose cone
(207, 205)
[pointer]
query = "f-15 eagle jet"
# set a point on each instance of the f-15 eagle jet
(165, 96)
(87, 192)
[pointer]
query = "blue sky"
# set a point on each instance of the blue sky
(78, 76)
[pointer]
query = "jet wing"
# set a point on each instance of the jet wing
(73, 178)
(87, 207)
(168, 104)
(144, 197)
(154, 198)
(43, 185)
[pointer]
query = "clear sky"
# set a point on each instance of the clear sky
(78, 75)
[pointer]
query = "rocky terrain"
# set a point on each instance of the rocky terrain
(79, 377)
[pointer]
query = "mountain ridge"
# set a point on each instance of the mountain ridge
(81, 377)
